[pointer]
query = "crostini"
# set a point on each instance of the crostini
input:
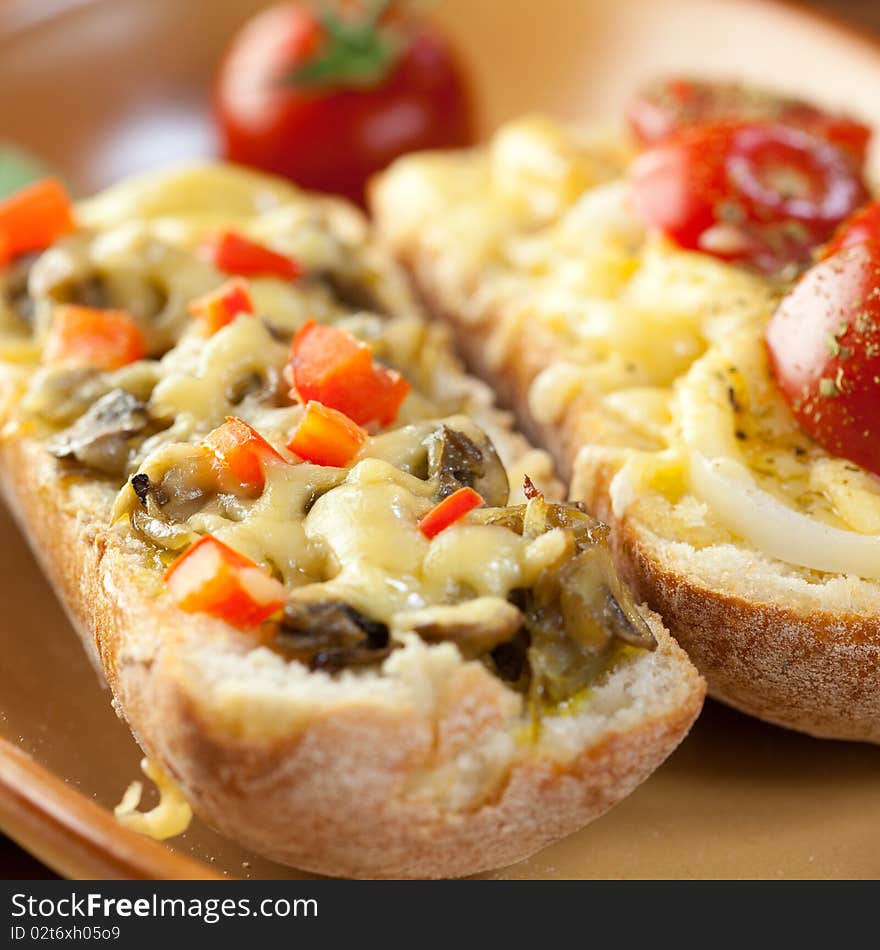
(617, 291)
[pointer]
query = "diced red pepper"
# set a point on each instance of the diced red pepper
(237, 255)
(223, 305)
(242, 453)
(448, 511)
(333, 367)
(210, 577)
(103, 339)
(34, 217)
(384, 400)
(322, 358)
(326, 436)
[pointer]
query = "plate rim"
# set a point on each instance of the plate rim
(61, 825)
(74, 835)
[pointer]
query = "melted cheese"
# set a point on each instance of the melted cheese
(349, 534)
(170, 817)
(762, 478)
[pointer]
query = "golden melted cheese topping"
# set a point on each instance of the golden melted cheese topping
(663, 347)
(170, 817)
(349, 535)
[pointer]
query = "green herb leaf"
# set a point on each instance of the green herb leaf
(19, 168)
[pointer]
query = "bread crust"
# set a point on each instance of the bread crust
(333, 793)
(816, 671)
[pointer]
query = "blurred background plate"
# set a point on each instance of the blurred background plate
(101, 88)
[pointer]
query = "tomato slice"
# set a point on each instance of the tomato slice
(824, 347)
(680, 186)
(234, 254)
(450, 510)
(211, 577)
(665, 107)
(851, 137)
(331, 366)
(784, 174)
(221, 306)
(35, 217)
(102, 339)
(326, 436)
(863, 226)
(241, 454)
(760, 194)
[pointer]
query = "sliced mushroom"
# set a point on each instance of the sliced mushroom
(458, 460)
(510, 660)
(578, 615)
(90, 291)
(177, 482)
(14, 293)
(99, 439)
(61, 394)
(475, 626)
(596, 606)
(133, 270)
(330, 635)
(163, 507)
(151, 525)
(252, 384)
(353, 291)
(144, 489)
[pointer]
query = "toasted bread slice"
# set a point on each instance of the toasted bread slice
(593, 332)
(424, 763)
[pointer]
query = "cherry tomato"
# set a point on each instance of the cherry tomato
(666, 106)
(863, 226)
(329, 99)
(824, 347)
(761, 194)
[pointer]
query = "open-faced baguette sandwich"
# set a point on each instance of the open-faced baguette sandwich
(301, 543)
(635, 303)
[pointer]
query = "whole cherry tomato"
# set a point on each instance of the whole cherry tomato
(863, 226)
(761, 194)
(824, 347)
(666, 106)
(328, 98)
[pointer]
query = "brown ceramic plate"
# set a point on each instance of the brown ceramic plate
(100, 88)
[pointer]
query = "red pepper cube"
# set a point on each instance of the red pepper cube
(102, 339)
(326, 436)
(333, 367)
(241, 453)
(34, 217)
(234, 254)
(221, 306)
(212, 578)
(388, 393)
(325, 360)
(449, 511)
